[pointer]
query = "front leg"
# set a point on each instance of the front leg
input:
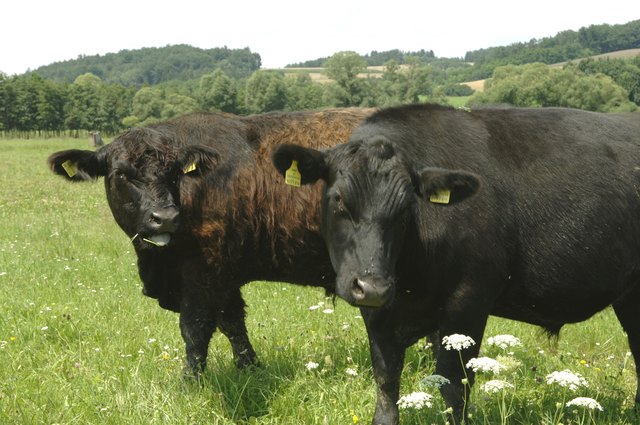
(232, 324)
(197, 325)
(387, 357)
(451, 363)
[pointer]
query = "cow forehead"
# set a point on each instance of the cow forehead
(142, 155)
(376, 185)
(364, 160)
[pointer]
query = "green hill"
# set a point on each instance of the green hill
(151, 66)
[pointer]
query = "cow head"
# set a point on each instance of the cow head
(368, 201)
(144, 174)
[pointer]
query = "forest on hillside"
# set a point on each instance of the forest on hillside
(131, 88)
(154, 65)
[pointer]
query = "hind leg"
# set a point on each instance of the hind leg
(626, 309)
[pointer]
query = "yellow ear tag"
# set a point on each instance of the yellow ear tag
(70, 168)
(292, 175)
(189, 168)
(442, 196)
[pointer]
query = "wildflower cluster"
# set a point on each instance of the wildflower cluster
(495, 386)
(457, 342)
(587, 402)
(504, 341)
(485, 364)
(566, 379)
(312, 365)
(436, 381)
(416, 400)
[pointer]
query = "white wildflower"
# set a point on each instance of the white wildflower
(434, 381)
(44, 328)
(314, 307)
(587, 402)
(152, 340)
(311, 365)
(416, 400)
(566, 379)
(504, 341)
(327, 311)
(457, 342)
(485, 364)
(351, 371)
(495, 386)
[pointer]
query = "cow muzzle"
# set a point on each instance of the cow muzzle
(161, 223)
(370, 292)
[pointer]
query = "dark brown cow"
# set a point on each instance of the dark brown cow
(207, 213)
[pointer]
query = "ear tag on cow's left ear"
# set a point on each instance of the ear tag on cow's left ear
(189, 168)
(442, 196)
(292, 175)
(70, 167)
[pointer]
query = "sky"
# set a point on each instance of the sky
(39, 32)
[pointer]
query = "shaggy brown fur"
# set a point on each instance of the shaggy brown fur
(238, 222)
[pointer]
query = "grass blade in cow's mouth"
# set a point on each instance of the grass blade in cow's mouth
(160, 240)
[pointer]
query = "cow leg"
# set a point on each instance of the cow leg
(434, 339)
(197, 325)
(232, 324)
(452, 363)
(626, 309)
(387, 357)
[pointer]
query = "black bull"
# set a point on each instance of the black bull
(441, 217)
(206, 213)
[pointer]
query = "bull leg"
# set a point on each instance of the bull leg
(434, 339)
(626, 309)
(197, 324)
(387, 357)
(452, 363)
(232, 325)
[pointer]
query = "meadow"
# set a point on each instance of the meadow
(80, 344)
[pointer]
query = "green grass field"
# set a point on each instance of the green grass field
(80, 344)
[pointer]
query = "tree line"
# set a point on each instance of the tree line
(564, 46)
(32, 104)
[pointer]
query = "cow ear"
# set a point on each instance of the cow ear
(79, 165)
(310, 163)
(197, 159)
(441, 186)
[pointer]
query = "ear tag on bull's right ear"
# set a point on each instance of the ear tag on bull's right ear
(442, 196)
(292, 175)
(189, 168)
(70, 167)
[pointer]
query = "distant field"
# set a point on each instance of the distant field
(79, 343)
(478, 85)
(317, 74)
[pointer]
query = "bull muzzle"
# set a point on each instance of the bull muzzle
(160, 225)
(164, 220)
(370, 292)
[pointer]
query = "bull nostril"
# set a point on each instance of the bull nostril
(357, 289)
(155, 218)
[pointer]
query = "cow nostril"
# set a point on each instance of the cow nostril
(357, 289)
(155, 218)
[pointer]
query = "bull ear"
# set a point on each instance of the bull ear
(197, 159)
(79, 165)
(310, 162)
(441, 186)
